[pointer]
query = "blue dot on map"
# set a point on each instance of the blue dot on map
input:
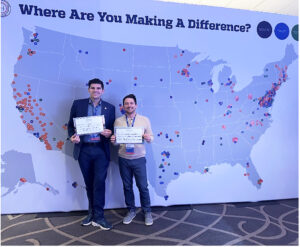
(281, 31)
(74, 184)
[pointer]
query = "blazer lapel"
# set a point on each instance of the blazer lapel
(84, 108)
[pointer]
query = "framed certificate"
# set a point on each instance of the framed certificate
(126, 135)
(89, 125)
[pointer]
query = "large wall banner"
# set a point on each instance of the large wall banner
(220, 87)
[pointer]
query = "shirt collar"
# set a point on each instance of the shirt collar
(91, 102)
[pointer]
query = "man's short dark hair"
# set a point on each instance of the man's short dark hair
(96, 81)
(131, 96)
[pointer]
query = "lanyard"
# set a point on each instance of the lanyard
(132, 121)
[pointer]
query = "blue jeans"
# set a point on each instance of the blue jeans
(136, 168)
(93, 164)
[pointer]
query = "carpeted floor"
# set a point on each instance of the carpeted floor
(260, 223)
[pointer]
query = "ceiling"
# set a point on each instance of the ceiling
(285, 7)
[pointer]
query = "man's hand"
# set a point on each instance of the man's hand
(75, 138)
(147, 137)
(113, 139)
(106, 132)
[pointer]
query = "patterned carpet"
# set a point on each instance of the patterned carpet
(261, 223)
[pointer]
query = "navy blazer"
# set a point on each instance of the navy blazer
(80, 109)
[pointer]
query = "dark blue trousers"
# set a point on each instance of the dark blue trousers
(136, 168)
(93, 164)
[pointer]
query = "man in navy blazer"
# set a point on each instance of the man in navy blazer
(92, 151)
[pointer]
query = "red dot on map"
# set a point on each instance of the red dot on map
(37, 118)
(29, 89)
(23, 180)
(124, 49)
(28, 85)
(15, 75)
(40, 108)
(235, 139)
(135, 78)
(206, 100)
(14, 89)
(13, 82)
(190, 166)
(51, 123)
(24, 121)
(47, 189)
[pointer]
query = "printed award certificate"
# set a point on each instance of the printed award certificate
(89, 125)
(127, 135)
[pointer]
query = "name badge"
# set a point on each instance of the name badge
(129, 148)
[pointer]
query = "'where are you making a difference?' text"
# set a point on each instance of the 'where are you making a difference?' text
(132, 19)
